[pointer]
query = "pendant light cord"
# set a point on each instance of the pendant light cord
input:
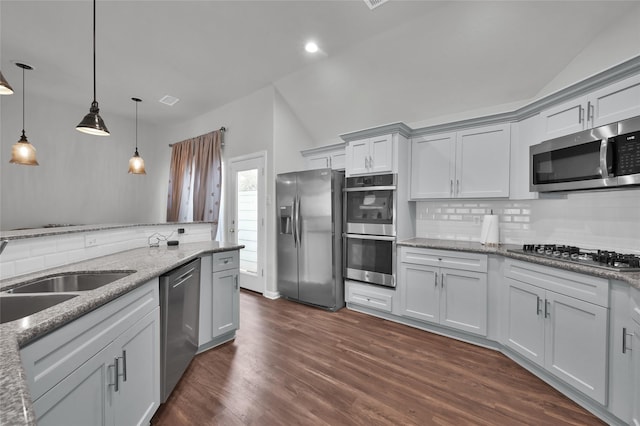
(23, 100)
(94, 50)
(136, 127)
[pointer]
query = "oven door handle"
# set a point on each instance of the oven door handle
(371, 188)
(369, 237)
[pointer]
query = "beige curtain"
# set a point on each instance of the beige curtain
(195, 180)
(179, 178)
(207, 177)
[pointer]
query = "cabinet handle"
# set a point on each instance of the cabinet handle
(236, 277)
(451, 188)
(436, 280)
(457, 186)
(124, 366)
(115, 386)
(580, 112)
(538, 307)
(547, 311)
(589, 112)
(442, 280)
(624, 340)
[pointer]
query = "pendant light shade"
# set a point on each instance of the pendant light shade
(5, 88)
(136, 163)
(92, 123)
(23, 152)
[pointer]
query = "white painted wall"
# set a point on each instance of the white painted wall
(289, 137)
(81, 179)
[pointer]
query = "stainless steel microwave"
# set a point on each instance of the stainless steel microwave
(602, 157)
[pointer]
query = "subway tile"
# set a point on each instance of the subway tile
(70, 243)
(7, 270)
(32, 264)
(55, 259)
(16, 250)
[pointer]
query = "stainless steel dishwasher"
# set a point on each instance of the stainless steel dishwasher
(179, 311)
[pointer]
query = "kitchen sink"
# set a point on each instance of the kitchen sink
(71, 282)
(13, 307)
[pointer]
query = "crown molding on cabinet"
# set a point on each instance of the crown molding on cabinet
(597, 81)
(386, 129)
(322, 149)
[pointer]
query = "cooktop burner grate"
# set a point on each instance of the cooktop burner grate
(604, 259)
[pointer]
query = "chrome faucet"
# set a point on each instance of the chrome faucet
(3, 244)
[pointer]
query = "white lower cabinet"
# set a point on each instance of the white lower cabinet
(369, 296)
(635, 359)
(99, 369)
(563, 333)
(219, 298)
(452, 297)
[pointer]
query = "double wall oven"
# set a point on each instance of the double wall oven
(370, 229)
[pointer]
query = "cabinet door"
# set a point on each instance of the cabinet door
(337, 161)
(84, 397)
(419, 288)
(432, 166)
(525, 320)
(357, 156)
(381, 154)
(564, 119)
(138, 350)
(463, 301)
(618, 101)
(225, 302)
(482, 162)
(635, 361)
(318, 162)
(576, 344)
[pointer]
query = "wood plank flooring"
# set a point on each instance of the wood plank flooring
(295, 365)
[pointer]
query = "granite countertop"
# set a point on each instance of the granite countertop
(19, 234)
(15, 401)
(631, 278)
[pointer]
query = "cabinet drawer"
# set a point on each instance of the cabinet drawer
(584, 287)
(372, 297)
(226, 260)
(444, 258)
(53, 357)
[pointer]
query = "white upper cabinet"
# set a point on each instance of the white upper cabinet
(612, 103)
(433, 166)
(472, 163)
(370, 156)
(332, 156)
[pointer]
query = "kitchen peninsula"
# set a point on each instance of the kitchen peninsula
(104, 248)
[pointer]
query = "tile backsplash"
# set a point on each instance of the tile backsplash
(23, 256)
(598, 219)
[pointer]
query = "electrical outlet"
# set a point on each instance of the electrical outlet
(90, 241)
(180, 230)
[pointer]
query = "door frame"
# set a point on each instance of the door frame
(261, 156)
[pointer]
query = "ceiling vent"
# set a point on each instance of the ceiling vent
(374, 3)
(169, 100)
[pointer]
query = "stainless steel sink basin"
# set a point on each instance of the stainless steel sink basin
(70, 282)
(20, 306)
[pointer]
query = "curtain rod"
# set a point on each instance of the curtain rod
(222, 129)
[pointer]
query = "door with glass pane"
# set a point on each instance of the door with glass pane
(245, 223)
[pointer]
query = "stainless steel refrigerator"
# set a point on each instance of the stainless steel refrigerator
(310, 237)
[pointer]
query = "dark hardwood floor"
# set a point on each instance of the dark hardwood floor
(296, 365)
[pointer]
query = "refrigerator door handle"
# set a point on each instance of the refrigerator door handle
(295, 222)
(298, 233)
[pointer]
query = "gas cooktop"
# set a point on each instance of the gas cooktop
(598, 258)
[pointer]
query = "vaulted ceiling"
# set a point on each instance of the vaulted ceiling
(419, 58)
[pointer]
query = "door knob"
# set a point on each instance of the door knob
(232, 230)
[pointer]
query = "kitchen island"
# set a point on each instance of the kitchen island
(148, 263)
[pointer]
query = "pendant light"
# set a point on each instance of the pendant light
(22, 151)
(5, 88)
(136, 163)
(92, 123)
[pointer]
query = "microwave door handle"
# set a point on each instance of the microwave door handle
(606, 158)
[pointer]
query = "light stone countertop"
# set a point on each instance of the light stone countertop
(149, 263)
(631, 278)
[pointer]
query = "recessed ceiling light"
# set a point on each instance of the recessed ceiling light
(311, 47)
(169, 100)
